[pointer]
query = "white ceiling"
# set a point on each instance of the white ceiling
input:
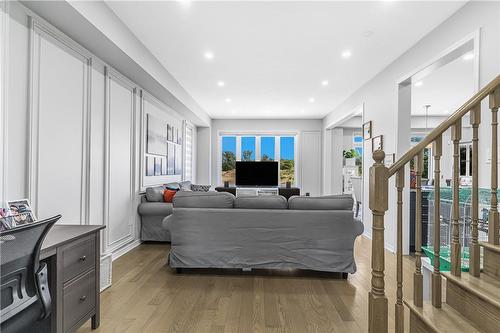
(273, 56)
(445, 89)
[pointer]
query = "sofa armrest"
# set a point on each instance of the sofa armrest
(155, 209)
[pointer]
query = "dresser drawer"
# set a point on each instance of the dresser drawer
(79, 300)
(78, 258)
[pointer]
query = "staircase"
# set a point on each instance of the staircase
(472, 298)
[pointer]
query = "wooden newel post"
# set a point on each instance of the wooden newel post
(377, 301)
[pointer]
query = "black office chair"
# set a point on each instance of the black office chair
(25, 297)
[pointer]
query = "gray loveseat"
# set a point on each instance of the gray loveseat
(152, 211)
(217, 230)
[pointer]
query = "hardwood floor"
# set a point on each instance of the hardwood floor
(148, 296)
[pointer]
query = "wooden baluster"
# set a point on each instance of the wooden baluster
(456, 262)
(418, 282)
(378, 202)
(437, 150)
(493, 222)
(399, 308)
(474, 251)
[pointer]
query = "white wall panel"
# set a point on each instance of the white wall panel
(120, 154)
(310, 161)
(59, 114)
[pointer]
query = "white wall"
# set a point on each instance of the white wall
(380, 93)
(73, 131)
(300, 127)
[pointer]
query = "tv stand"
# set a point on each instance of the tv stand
(254, 191)
(264, 190)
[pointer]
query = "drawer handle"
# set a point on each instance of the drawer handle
(83, 299)
(82, 258)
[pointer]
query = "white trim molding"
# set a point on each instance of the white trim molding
(112, 75)
(4, 93)
(39, 30)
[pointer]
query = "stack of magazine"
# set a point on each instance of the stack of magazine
(17, 213)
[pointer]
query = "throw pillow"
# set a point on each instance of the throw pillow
(168, 195)
(200, 188)
(185, 185)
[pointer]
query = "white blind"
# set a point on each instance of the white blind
(188, 146)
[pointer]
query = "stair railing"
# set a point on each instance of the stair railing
(378, 204)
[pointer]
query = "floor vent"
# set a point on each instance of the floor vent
(106, 270)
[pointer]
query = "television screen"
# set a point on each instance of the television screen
(257, 173)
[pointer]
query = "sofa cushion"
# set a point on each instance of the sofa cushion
(155, 209)
(329, 202)
(155, 193)
(189, 199)
(261, 202)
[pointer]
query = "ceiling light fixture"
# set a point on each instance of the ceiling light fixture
(418, 83)
(468, 56)
(228, 100)
(311, 100)
(346, 54)
(324, 82)
(208, 55)
(221, 83)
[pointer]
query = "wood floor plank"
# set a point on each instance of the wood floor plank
(148, 296)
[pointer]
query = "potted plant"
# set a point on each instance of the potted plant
(350, 157)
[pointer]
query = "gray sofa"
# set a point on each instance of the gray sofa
(217, 230)
(152, 211)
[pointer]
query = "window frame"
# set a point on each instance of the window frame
(258, 136)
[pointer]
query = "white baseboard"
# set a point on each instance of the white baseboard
(387, 246)
(124, 249)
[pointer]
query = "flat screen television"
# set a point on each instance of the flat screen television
(256, 173)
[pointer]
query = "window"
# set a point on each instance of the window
(229, 159)
(188, 153)
(287, 159)
(248, 148)
(465, 159)
(267, 148)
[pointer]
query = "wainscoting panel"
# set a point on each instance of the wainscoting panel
(119, 207)
(310, 160)
(59, 101)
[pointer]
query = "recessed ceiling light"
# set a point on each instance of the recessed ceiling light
(221, 83)
(311, 100)
(418, 83)
(228, 100)
(324, 82)
(208, 55)
(346, 54)
(468, 56)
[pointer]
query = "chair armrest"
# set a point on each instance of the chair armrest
(155, 209)
(42, 284)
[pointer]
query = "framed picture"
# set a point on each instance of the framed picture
(163, 166)
(377, 143)
(19, 213)
(150, 166)
(367, 130)
(178, 160)
(157, 166)
(389, 159)
(171, 159)
(156, 136)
